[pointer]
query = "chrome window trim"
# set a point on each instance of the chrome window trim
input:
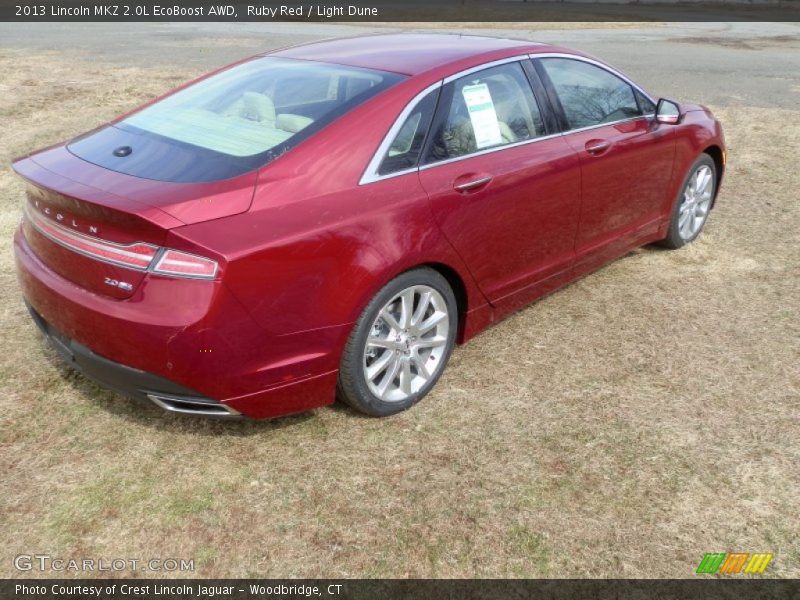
(530, 141)
(599, 125)
(489, 65)
(447, 161)
(371, 172)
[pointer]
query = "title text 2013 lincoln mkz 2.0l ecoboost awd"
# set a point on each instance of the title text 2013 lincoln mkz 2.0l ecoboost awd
(330, 219)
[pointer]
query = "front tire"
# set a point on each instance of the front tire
(400, 344)
(693, 204)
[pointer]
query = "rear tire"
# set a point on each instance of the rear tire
(690, 213)
(400, 345)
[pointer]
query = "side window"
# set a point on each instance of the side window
(645, 104)
(489, 108)
(407, 144)
(590, 95)
(298, 91)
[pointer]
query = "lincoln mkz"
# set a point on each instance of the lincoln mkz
(330, 220)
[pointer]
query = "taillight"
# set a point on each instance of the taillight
(138, 255)
(182, 264)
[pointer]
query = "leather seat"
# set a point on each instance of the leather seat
(260, 108)
(253, 107)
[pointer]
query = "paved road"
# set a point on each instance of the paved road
(724, 64)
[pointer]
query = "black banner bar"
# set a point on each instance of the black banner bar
(348, 589)
(397, 10)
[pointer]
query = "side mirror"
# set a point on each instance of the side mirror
(668, 112)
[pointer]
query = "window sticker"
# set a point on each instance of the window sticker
(482, 114)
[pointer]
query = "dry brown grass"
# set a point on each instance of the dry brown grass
(621, 427)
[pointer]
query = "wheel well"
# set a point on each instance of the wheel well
(715, 152)
(459, 291)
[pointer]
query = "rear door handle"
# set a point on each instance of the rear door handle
(595, 147)
(472, 184)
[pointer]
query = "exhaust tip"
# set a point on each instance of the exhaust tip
(193, 406)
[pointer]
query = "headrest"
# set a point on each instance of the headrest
(258, 107)
(292, 123)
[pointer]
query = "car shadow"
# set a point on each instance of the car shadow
(347, 410)
(144, 413)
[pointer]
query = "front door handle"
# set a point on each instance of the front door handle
(596, 147)
(471, 184)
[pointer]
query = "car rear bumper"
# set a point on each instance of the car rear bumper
(128, 381)
(187, 348)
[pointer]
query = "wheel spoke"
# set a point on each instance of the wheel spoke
(703, 179)
(405, 377)
(432, 321)
(433, 342)
(374, 342)
(686, 228)
(698, 182)
(389, 319)
(389, 377)
(422, 308)
(421, 368)
(379, 365)
(406, 307)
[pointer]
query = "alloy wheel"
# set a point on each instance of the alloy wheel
(696, 203)
(406, 343)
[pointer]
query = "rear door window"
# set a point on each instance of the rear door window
(487, 109)
(404, 151)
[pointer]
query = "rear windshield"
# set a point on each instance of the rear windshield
(232, 122)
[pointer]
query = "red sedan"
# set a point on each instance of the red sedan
(331, 219)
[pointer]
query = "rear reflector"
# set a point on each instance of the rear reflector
(182, 264)
(138, 255)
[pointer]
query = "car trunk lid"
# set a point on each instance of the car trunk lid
(102, 230)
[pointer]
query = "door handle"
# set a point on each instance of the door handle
(595, 147)
(472, 184)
